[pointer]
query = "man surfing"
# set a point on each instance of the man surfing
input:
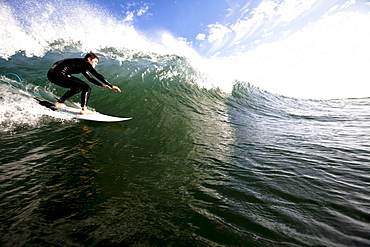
(61, 75)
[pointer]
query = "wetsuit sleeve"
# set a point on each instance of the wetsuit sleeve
(97, 75)
(91, 79)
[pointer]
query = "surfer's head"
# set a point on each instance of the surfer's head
(92, 59)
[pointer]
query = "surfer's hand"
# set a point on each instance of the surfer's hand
(116, 89)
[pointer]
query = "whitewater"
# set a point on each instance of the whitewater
(208, 159)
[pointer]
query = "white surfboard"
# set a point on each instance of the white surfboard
(74, 112)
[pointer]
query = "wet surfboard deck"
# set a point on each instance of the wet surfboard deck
(95, 116)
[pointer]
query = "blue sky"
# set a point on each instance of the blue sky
(183, 18)
(227, 26)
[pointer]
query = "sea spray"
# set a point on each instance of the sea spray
(18, 110)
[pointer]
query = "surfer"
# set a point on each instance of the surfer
(61, 75)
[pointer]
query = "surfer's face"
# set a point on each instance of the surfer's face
(93, 61)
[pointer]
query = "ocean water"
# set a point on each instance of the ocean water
(198, 164)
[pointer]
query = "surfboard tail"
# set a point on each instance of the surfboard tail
(47, 104)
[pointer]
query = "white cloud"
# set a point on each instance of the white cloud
(287, 32)
(268, 15)
(229, 12)
(256, 42)
(289, 10)
(335, 7)
(201, 36)
(129, 16)
(217, 32)
(142, 10)
(265, 35)
(133, 10)
(266, 9)
(243, 26)
(348, 3)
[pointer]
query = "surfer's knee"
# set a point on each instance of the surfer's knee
(86, 88)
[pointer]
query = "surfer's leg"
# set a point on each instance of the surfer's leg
(85, 95)
(76, 85)
(86, 90)
(69, 94)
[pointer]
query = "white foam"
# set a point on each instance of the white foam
(20, 110)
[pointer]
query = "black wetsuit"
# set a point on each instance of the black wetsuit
(60, 74)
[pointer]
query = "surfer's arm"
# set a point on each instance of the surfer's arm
(97, 75)
(101, 78)
(91, 79)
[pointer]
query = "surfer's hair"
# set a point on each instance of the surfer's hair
(91, 56)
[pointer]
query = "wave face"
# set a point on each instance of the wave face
(196, 166)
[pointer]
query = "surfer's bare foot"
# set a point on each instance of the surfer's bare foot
(59, 105)
(85, 111)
